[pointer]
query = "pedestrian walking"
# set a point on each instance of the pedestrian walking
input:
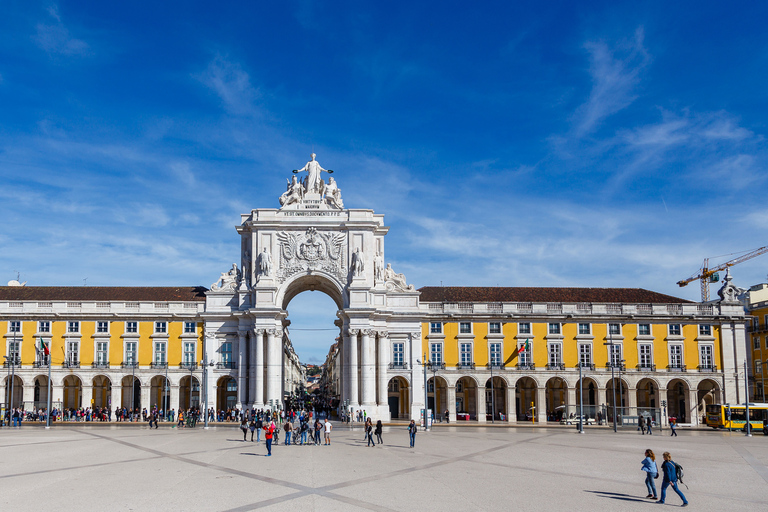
(369, 432)
(378, 432)
(673, 427)
(670, 478)
(648, 424)
(269, 430)
(651, 472)
(318, 429)
(288, 427)
(447, 416)
(244, 428)
(412, 432)
(252, 426)
(641, 424)
(328, 428)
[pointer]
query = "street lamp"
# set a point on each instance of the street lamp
(205, 387)
(613, 378)
(581, 400)
(426, 421)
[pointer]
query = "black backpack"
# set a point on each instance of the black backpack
(679, 471)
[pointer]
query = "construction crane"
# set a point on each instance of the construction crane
(710, 275)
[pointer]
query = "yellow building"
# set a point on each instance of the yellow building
(757, 307)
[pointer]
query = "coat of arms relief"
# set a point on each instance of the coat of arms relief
(311, 250)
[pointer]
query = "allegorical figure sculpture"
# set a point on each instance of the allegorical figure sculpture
(228, 280)
(396, 280)
(313, 181)
(358, 262)
(378, 268)
(265, 263)
(293, 194)
(333, 193)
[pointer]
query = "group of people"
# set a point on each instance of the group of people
(271, 423)
(669, 469)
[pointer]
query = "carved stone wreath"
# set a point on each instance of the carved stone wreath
(311, 251)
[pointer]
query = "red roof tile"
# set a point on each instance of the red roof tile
(501, 294)
(103, 293)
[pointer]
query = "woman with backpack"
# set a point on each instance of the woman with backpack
(378, 432)
(669, 467)
(651, 471)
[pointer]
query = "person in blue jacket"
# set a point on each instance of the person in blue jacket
(651, 472)
(670, 478)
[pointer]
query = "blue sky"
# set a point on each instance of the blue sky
(557, 144)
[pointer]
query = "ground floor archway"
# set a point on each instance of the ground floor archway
(437, 396)
(131, 398)
(73, 392)
(557, 398)
(399, 398)
(40, 397)
(678, 404)
(466, 397)
(526, 399)
(708, 393)
(226, 393)
(14, 391)
(496, 399)
(102, 391)
(189, 393)
(160, 392)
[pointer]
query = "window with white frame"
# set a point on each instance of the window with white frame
(614, 329)
(14, 350)
(189, 352)
(646, 355)
(465, 353)
(398, 350)
(706, 359)
(44, 326)
(524, 358)
(436, 353)
(758, 367)
(131, 327)
(585, 354)
(554, 328)
(14, 326)
(159, 355)
(189, 327)
(73, 327)
(161, 327)
(40, 356)
(555, 354)
(524, 328)
(674, 330)
(644, 329)
(130, 352)
(73, 352)
(102, 327)
(615, 355)
(705, 330)
(435, 328)
(465, 327)
(226, 352)
(494, 328)
(102, 352)
(585, 328)
(756, 342)
(495, 355)
(676, 356)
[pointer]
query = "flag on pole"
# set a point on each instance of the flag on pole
(523, 348)
(43, 347)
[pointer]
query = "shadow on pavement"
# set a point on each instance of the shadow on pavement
(619, 496)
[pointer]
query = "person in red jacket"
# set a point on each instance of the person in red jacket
(269, 430)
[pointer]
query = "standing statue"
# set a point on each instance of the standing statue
(358, 263)
(378, 267)
(313, 179)
(333, 193)
(265, 263)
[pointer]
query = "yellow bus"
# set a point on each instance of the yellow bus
(735, 416)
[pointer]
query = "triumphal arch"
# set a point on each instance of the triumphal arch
(312, 242)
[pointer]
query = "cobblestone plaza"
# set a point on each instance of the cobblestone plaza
(451, 468)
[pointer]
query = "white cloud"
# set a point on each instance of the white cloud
(55, 38)
(615, 74)
(231, 84)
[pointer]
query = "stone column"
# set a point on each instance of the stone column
(480, 404)
(541, 405)
(274, 366)
(632, 401)
(571, 401)
(145, 389)
(28, 396)
(511, 404)
(258, 377)
(241, 369)
(693, 407)
(452, 402)
(115, 397)
(382, 369)
(173, 401)
(663, 397)
(57, 394)
(354, 399)
(252, 396)
(368, 368)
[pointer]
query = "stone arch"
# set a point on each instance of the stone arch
(591, 403)
(399, 397)
(466, 396)
(189, 393)
(556, 392)
(619, 409)
(496, 406)
(647, 390)
(102, 391)
(437, 395)
(159, 392)
(708, 393)
(131, 396)
(40, 392)
(527, 400)
(17, 396)
(317, 281)
(678, 401)
(73, 392)
(226, 393)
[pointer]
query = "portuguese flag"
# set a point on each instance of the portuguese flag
(42, 347)
(523, 348)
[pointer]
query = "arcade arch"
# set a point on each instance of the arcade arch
(398, 398)
(102, 391)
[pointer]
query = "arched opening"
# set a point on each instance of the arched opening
(648, 401)
(189, 393)
(677, 401)
(41, 392)
(399, 398)
(618, 408)
(102, 391)
(160, 393)
(591, 409)
(526, 399)
(73, 392)
(557, 398)
(437, 396)
(496, 399)
(708, 393)
(466, 398)
(131, 398)
(15, 391)
(226, 393)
